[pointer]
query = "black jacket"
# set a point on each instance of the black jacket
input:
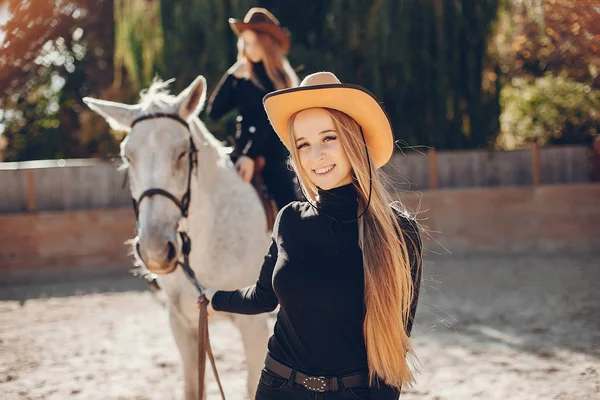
(254, 134)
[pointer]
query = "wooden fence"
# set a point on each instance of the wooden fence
(53, 185)
(62, 185)
(481, 168)
(62, 245)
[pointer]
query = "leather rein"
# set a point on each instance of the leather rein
(204, 347)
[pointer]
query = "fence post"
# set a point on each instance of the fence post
(594, 155)
(433, 171)
(535, 160)
(30, 191)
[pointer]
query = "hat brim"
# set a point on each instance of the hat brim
(353, 100)
(278, 33)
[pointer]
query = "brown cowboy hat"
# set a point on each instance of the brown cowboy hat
(323, 89)
(259, 19)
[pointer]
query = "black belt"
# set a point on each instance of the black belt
(316, 383)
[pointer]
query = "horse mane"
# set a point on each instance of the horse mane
(158, 99)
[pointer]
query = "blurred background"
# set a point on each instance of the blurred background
(496, 110)
(452, 74)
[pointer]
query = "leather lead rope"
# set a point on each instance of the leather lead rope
(204, 347)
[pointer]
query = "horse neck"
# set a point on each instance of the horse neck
(205, 177)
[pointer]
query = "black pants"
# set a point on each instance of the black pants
(274, 387)
(280, 182)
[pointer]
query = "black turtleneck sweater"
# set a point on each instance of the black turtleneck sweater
(314, 271)
(254, 135)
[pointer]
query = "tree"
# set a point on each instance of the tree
(427, 61)
(549, 55)
(175, 39)
(56, 53)
(558, 36)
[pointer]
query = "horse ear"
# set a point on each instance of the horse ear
(118, 115)
(192, 99)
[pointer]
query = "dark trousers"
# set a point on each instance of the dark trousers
(274, 387)
(279, 180)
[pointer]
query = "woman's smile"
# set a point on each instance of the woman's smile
(324, 170)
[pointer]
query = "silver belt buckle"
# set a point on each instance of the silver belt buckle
(315, 383)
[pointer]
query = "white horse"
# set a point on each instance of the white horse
(226, 221)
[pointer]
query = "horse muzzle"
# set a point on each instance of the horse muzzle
(160, 258)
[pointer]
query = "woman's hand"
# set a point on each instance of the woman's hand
(210, 311)
(245, 168)
(208, 293)
(240, 69)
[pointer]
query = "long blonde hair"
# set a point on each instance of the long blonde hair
(278, 68)
(389, 288)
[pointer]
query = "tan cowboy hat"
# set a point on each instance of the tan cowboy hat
(259, 19)
(323, 89)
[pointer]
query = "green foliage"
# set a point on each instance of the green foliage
(437, 66)
(45, 123)
(55, 53)
(198, 38)
(139, 41)
(43, 138)
(548, 110)
(175, 39)
(424, 60)
(558, 36)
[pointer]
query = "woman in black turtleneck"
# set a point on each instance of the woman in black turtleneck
(262, 67)
(345, 265)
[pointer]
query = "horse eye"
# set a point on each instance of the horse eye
(181, 155)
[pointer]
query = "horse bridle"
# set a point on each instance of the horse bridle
(186, 248)
(183, 205)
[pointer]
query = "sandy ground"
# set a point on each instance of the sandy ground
(488, 327)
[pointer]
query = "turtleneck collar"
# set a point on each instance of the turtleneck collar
(340, 203)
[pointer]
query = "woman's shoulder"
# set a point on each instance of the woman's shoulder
(410, 232)
(294, 211)
(408, 223)
(298, 209)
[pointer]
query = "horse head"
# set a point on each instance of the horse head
(159, 153)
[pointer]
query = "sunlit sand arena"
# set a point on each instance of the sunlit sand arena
(488, 327)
